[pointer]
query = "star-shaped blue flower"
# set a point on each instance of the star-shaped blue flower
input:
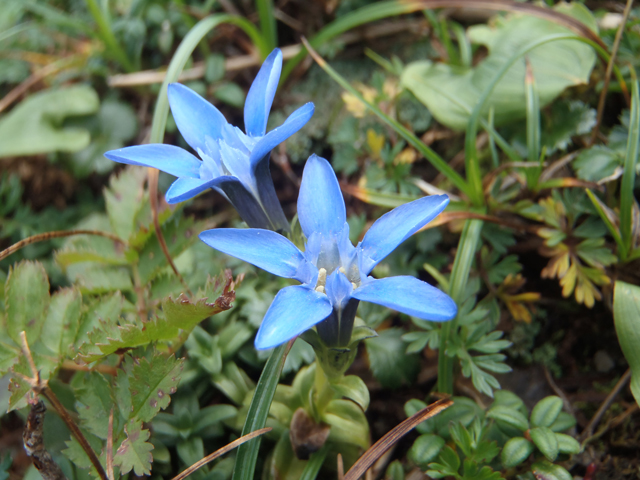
(334, 274)
(234, 163)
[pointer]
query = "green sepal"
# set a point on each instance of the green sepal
(348, 423)
(353, 388)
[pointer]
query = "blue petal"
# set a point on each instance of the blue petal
(196, 118)
(260, 96)
(173, 160)
(294, 310)
(338, 289)
(275, 137)
(185, 188)
(408, 295)
(268, 197)
(320, 203)
(263, 248)
(396, 226)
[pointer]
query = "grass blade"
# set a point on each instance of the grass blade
(533, 126)
(609, 222)
(313, 466)
(245, 465)
(629, 175)
(267, 23)
(114, 49)
(626, 315)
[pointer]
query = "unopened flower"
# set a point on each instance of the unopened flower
(231, 161)
(334, 274)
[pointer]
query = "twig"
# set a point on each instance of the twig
(34, 444)
(609, 71)
(41, 387)
(107, 369)
(19, 90)
(245, 61)
(558, 391)
(386, 442)
(588, 431)
(41, 237)
(614, 422)
(340, 467)
(222, 451)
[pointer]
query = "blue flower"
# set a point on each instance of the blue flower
(234, 163)
(334, 274)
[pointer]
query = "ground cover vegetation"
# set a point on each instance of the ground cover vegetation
(329, 239)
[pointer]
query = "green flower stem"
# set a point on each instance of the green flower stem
(459, 277)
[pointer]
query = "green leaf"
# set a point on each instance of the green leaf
(353, 388)
(94, 402)
(508, 416)
(9, 355)
(247, 455)
(546, 441)
(151, 384)
(134, 453)
(99, 280)
(425, 449)
(124, 199)
(565, 421)
(516, 451)
(567, 444)
(451, 92)
(348, 423)
(26, 298)
(389, 362)
(176, 321)
(544, 470)
(105, 309)
(230, 93)
(448, 463)
(626, 316)
(546, 411)
(62, 322)
(35, 125)
(596, 163)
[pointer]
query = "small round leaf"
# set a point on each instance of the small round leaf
(546, 411)
(567, 444)
(516, 451)
(425, 449)
(546, 441)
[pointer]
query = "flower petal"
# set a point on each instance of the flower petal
(408, 295)
(269, 199)
(168, 158)
(196, 118)
(338, 289)
(320, 203)
(260, 96)
(294, 310)
(275, 137)
(185, 188)
(246, 204)
(394, 227)
(263, 248)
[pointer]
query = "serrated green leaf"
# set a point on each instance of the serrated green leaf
(546, 411)
(516, 451)
(94, 401)
(26, 298)
(233, 382)
(353, 388)
(546, 441)
(389, 363)
(626, 316)
(134, 453)
(448, 462)
(18, 388)
(78, 456)
(544, 470)
(35, 126)
(106, 309)
(151, 385)
(425, 449)
(461, 436)
(9, 355)
(63, 319)
(124, 199)
(71, 256)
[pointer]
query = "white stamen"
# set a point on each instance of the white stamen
(343, 271)
(322, 276)
(354, 285)
(320, 289)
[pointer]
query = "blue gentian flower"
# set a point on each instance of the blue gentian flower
(232, 162)
(334, 274)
